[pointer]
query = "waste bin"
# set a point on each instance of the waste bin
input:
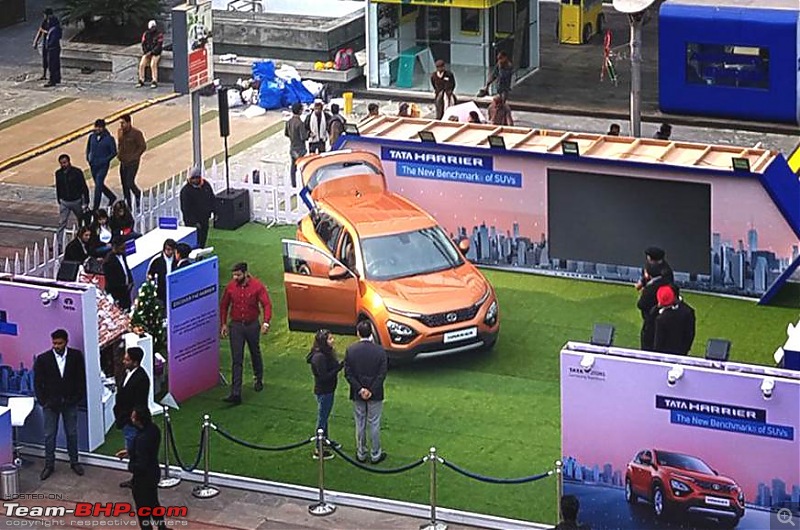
(9, 482)
(348, 103)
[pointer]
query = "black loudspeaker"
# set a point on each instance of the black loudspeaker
(224, 118)
(603, 335)
(68, 271)
(232, 209)
(718, 350)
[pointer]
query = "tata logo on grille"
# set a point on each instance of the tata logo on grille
(715, 487)
(451, 317)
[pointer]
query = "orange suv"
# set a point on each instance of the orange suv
(365, 253)
(676, 483)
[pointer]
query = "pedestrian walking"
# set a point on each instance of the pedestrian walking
(52, 45)
(244, 298)
(143, 463)
(152, 46)
(336, 126)
(41, 38)
(317, 126)
(500, 112)
(501, 76)
(72, 195)
(132, 146)
(118, 276)
(444, 84)
(297, 133)
(365, 366)
(325, 367)
(197, 205)
(59, 381)
(133, 391)
(100, 151)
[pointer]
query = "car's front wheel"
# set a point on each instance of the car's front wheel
(660, 508)
(630, 496)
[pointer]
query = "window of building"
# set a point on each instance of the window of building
(471, 21)
(727, 65)
(504, 18)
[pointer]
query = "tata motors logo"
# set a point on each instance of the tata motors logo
(592, 374)
(68, 304)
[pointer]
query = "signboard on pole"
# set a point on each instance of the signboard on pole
(193, 47)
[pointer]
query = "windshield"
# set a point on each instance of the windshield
(341, 170)
(408, 254)
(689, 463)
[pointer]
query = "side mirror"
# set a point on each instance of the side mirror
(463, 246)
(337, 272)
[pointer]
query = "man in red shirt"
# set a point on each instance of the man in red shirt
(245, 297)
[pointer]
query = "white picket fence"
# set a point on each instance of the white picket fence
(272, 201)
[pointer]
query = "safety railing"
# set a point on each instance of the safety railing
(322, 507)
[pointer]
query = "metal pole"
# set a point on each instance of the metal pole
(204, 490)
(197, 150)
(559, 487)
(321, 508)
(636, 74)
(433, 524)
(227, 166)
(167, 481)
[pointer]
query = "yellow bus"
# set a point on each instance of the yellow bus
(579, 21)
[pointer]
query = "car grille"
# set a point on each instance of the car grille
(450, 317)
(714, 486)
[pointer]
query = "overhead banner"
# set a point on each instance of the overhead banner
(646, 441)
(193, 328)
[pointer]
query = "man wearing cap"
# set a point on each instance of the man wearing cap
(444, 84)
(197, 205)
(244, 298)
(657, 273)
(152, 45)
(673, 322)
(101, 148)
(317, 125)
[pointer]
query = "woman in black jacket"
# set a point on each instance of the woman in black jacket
(121, 221)
(325, 367)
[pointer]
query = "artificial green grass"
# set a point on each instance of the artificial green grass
(497, 414)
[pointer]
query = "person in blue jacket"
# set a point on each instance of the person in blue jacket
(101, 148)
(52, 47)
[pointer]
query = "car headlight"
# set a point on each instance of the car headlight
(679, 487)
(400, 333)
(491, 314)
(483, 298)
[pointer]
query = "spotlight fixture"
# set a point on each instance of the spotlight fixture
(602, 335)
(49, 296)
(426, 137)
(718, 350)
(767, 387)
(569, 147)
(351, 129)
(740, 165)
(674, 375)
(496, 141)
(587, 362)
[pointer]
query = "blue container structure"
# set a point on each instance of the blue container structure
(730, 58)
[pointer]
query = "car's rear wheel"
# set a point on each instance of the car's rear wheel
(630, 496)
(659, 502)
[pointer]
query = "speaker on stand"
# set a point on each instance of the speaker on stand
(232, 206)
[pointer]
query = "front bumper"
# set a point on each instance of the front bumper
(435, 347)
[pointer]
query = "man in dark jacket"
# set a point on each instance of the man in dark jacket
(365, 367)
(59, 380)
(160, 267)
(182, 251)
(143, 463)
(657, 273)
(132, 146)
(197, 205)
(100, 151)
(118, 276)
(72, 194)
(297, 133)
(152, 46)
(444, 85)
(673, 323)
(134, 391)
(52, 46)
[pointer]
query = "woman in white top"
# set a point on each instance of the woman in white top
(101, 234)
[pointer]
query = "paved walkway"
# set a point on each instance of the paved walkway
(232, 509)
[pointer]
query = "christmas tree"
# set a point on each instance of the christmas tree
(148, 316)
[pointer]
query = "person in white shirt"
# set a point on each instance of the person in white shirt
(317, 125)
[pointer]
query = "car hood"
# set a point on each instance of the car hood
(435, 292)
(719, 479)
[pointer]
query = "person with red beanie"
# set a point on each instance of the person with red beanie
(674, 323)
(655, 274)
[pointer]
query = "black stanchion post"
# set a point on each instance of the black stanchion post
(559, 487)
(321, 508)
(433, 524)
(167, 481)
(205, 490)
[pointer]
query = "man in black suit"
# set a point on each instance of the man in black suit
(134, 391)
(160, 267)
(119, 279)
(59, 380)
(365, 366)
(144, 465)
(182, 251)
(657, 273)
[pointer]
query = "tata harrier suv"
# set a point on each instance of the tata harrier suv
(682, 484)
(364, 253)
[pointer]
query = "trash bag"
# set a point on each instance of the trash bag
(303, 94)
(270, 95)
(264, 71)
